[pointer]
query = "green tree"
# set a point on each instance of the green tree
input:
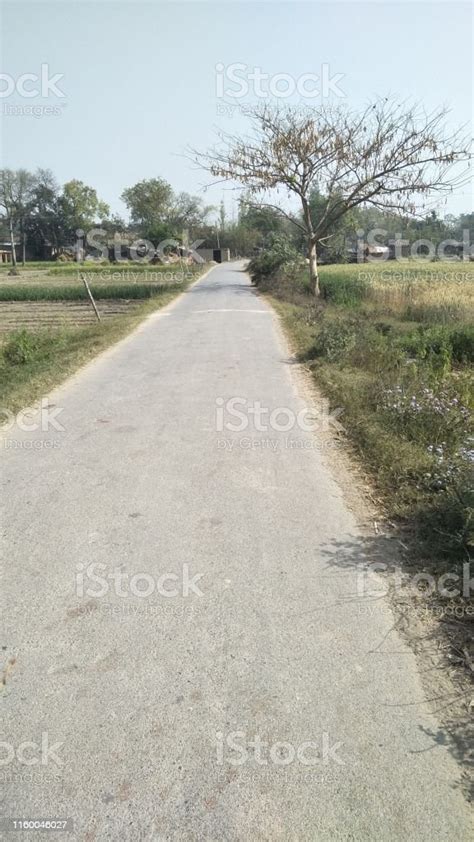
(80, 208)
(43, 224)
(149, 203)
(158, 213)
(260, 218)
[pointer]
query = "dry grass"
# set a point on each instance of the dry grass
(420, 300)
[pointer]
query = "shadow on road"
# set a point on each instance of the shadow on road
(428, 622)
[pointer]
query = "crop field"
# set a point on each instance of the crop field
(40, 315)
(35, 273)
(439, 293)
(52, 295)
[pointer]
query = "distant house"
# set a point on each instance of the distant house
(6, 252)
(364, 252)
(217, 255)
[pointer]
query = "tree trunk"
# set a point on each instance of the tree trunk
(312, 255)
(13, 270)
(313, 268)
(23, 244)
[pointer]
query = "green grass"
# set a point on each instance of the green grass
(60, 267)
(68, 292)
(112, 269)
(395, 352)
(30, 264)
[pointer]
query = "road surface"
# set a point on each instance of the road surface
(194, 657)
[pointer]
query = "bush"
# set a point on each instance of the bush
(21, 348)
(462, 344)
(430, 345)
(336, 339)
(432, 417)
(279, 251)
(358, 343)
(447, 522)
(344, 289)
(440, 346)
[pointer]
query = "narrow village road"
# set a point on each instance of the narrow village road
(195, 659)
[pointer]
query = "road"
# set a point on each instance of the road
(195, 659)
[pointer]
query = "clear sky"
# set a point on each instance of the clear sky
(140, 83)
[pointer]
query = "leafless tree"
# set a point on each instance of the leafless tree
(386, 156)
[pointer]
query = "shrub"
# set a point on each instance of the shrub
(336, 339)
(462, 344)
(424, 415)
(279, 251)
(21, 348)
(440, 346)
(447, 521)
(430, 345)
(344, 289)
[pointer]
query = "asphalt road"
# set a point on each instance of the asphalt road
(195, 659)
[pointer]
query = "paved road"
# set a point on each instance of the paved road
(247, 693)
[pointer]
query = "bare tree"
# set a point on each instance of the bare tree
(16, 195)
(385, 156)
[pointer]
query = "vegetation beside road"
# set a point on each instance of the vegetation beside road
(52, 272)
(392, 346)
(77, 292)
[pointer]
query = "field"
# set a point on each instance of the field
(44, 271)
(48, 327)
(38, 315)
(392, 345)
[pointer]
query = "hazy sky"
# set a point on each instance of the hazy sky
(140, 81)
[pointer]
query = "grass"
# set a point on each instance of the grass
(71, 267)
(122, 268)
(77, 292)
(393, 346)
(34, 361)
(429, 292)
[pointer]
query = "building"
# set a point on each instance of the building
(217, 255)
(6, 252)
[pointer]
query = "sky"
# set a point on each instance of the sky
(128, 86)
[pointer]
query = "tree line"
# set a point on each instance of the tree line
(259, 225)
(346, 171)
(38, 214)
